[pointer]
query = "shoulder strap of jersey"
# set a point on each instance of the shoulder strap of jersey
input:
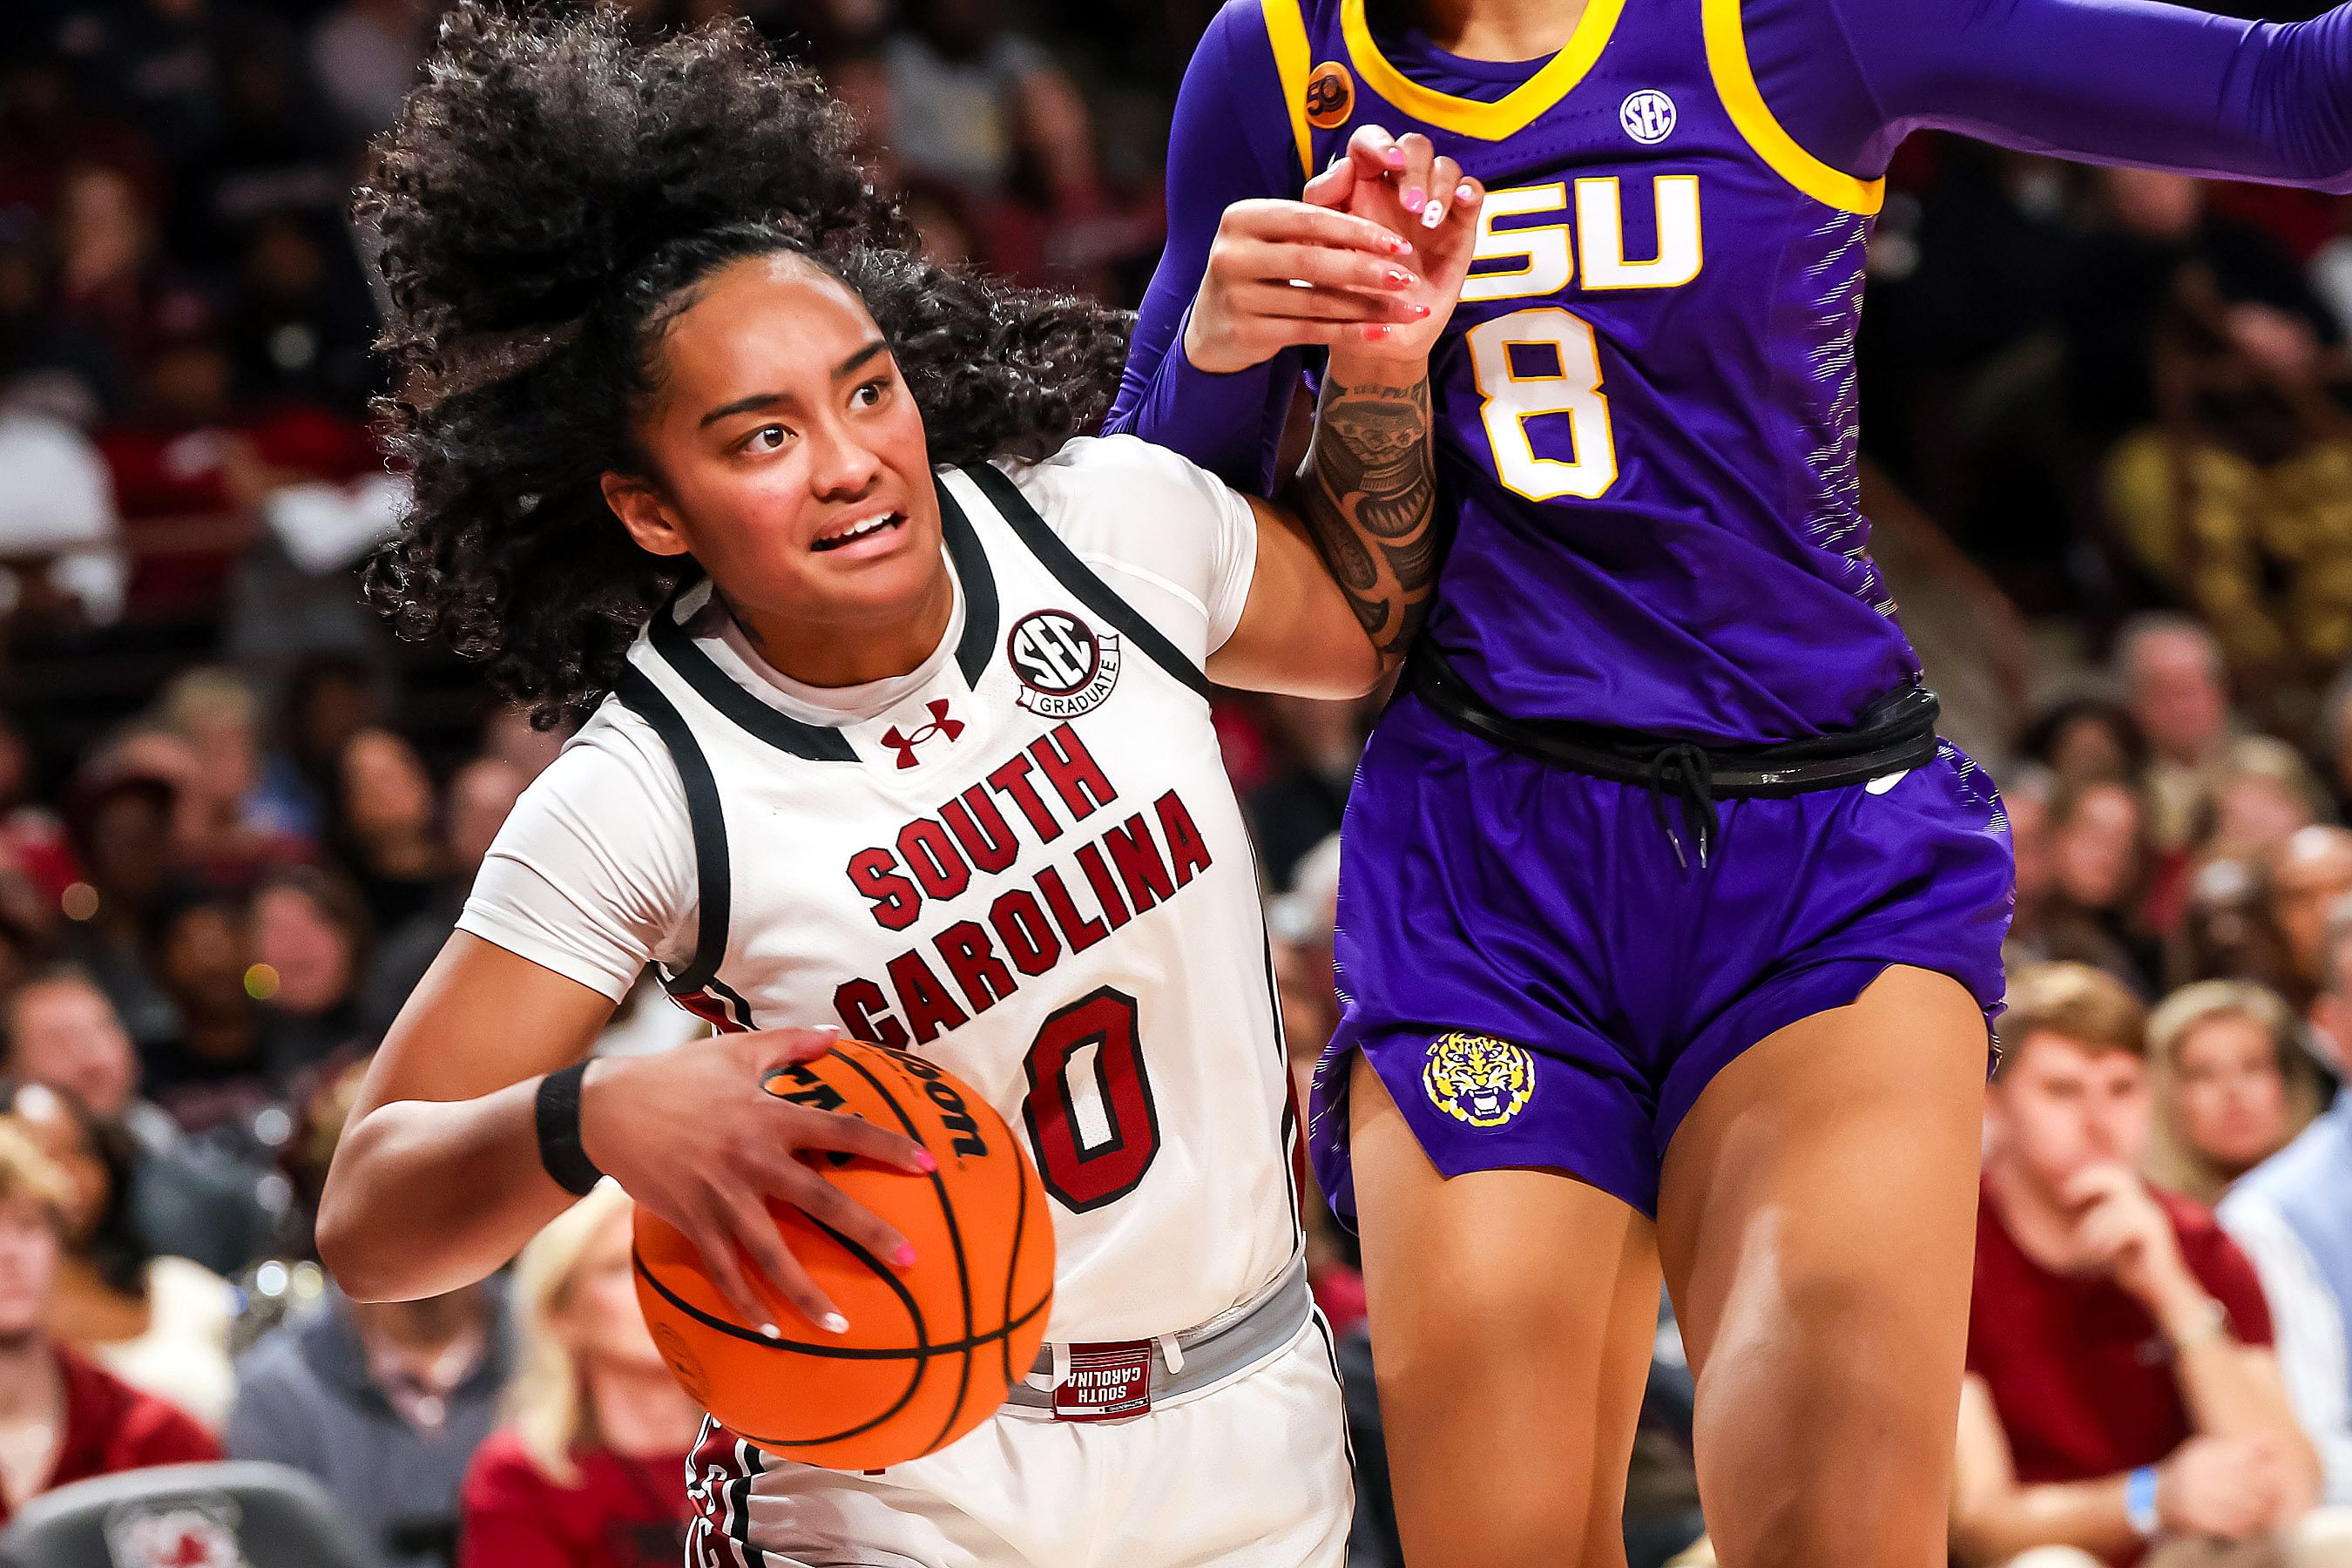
(1080, 579)
(713, 886)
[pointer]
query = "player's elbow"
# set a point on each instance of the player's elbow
(349, 1231)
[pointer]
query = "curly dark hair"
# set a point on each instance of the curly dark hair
(548, 201)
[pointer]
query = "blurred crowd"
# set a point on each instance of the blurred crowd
(2109, 455)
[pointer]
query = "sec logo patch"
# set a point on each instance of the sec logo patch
(1478, 1079)
(1330, 96)
(1065, 668)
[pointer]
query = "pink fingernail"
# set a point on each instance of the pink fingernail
(1399, 246)
(905, 1256)
(1414, 198)
(923, 1158)
(1376, 335)
(1393, 157)
(1418, 308)
(1466, 193)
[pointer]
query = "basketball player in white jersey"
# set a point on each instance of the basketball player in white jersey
(900, 727)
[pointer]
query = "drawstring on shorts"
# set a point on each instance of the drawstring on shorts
(1688, 772)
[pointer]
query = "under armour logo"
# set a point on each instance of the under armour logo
(941, 725)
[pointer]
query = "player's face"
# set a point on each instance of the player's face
(789, 457)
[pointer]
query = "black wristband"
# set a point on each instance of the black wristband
(556, 1109)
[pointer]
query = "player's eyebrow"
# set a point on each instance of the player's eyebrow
(759, 400)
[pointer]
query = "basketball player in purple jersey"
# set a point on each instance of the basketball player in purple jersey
(1657, 877)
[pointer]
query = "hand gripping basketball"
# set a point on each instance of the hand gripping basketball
(690, 1134)
(930, 1350)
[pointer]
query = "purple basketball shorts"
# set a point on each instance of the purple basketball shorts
(1540, 981)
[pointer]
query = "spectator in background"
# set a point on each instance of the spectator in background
(2171, 672)
(302, 324)
(47, 365)
(2026, 798)
(2231, 1087)
(2262, 793)
(977, 110)
(2099, 865)
(385, 1404)
(2224, 932)
(310, 940)
(159, 1322)
(2085, 741)
(61, 1031)
(328, 697)
(2293, 1215)
(2307, 877)
(481, 795)
(584, 1474)
(387, 828)
(211, 1077)
(2121, 1389)
(2234, 491)
(231, 836)
(62, 1419)
(367, 54)
(120, 822)
(61, 561)
(111, 278)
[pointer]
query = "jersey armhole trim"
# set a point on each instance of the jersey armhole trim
(1287, 31)
(1735, 84)
(713, 885)
(1084, 586)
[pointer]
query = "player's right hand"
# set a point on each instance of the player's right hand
(1286, 274)
(691, 1134)
(2225, 1486)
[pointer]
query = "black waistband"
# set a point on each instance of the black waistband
(1897, 732)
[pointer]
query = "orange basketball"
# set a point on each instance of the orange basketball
(931, 1349)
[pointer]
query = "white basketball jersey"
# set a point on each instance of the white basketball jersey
(1034, 871)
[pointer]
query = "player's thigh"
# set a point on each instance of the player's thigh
(1513, 1313)
(1817, 1225)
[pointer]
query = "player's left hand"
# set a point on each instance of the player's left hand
(1407, 187)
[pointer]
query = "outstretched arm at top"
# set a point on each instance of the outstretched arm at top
(2111, 81)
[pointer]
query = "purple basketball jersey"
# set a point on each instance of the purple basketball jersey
(1646, 399)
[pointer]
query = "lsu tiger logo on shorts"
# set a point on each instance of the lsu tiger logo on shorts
(1478, 1079)
(1330, 96)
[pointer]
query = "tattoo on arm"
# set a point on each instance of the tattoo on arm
(1367, 494)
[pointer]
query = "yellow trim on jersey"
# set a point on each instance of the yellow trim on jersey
(1506, 116)
(1287, 31)
(1735, 83)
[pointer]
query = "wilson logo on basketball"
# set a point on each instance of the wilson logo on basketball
(1065, 668)
(1330, 96)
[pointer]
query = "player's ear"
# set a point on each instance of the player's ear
(642, 511)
